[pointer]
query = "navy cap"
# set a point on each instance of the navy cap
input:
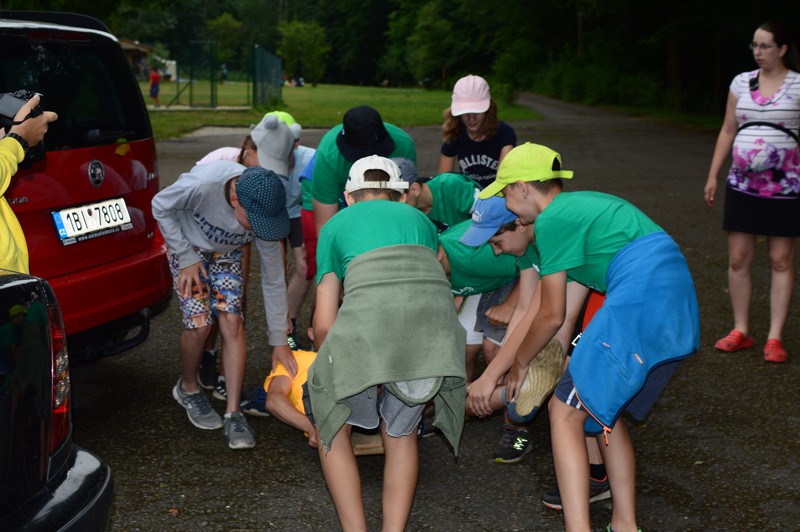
(363, 134)
(263, 197)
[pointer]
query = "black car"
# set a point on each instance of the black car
(46, 481)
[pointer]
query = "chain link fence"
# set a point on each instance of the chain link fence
(267, 78)
(199, 82)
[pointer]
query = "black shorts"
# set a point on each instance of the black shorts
(745, 213)
(295, 237)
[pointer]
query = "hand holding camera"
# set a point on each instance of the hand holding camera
(28, 120)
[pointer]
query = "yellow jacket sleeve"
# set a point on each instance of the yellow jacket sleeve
(13, 249)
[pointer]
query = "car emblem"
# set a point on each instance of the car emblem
(96, 173)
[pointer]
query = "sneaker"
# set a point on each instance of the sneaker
(735, 341)
(543, 375)
(294, 345)
(598, 491)
(256, 403)
(197, 408)
(238, 432)
(220, 391)
(513, 445)
(426, 426)
(207, 375)
(774, 351)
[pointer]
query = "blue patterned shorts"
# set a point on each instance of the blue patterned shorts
(222, 290)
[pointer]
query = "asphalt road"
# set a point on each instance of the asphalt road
(718, 452)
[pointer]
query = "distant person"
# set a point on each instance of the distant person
(14, 146)
(206, 217)
(762, 196)
(374, 366)
(475, 140)
(155, 86)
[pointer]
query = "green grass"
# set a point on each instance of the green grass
(322, 106)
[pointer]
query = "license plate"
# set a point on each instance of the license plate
(92, 220)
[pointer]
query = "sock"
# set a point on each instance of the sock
(597, 472)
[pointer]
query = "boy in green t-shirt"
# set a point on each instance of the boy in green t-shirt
(446, 199)
(648, 323)
(378, 257)
(361, 133)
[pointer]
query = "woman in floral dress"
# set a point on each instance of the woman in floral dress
(761, 124)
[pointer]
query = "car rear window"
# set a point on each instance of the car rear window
(101, 102)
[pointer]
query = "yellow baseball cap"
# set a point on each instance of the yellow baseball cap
(289, 120)
(528, 162)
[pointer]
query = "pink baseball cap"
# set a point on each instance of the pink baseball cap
(470, 95)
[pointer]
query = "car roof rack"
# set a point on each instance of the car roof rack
(56, 17)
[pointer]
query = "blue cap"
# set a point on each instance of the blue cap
(488, 216)
(263, 197)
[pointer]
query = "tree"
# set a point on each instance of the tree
(429, 45)
(227, 32)
(304, 48)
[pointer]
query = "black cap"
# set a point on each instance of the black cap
(363, 134)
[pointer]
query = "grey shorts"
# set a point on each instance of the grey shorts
(370, 406)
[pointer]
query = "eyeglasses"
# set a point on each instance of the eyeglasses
(763, 47)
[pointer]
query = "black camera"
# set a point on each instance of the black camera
(11, 103)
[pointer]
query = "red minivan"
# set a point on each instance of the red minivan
(84, 204)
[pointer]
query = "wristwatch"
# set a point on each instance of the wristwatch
(22, 142)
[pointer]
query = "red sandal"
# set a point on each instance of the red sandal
(774, 351)
(735, 341)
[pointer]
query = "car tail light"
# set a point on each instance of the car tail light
(60, 420)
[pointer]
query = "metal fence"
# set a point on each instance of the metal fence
(267, 78)
(200, 83)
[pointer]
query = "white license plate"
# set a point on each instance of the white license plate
(95, 219)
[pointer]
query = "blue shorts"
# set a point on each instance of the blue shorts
(638, 407)
(222, 290)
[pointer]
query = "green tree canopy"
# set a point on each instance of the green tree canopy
(227, 32)
(304, 48)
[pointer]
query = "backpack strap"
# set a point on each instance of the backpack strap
(772, 125)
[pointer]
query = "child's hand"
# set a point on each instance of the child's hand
(191, 276)
(282, 354)
(514, 379)
(500, 315)
(479, 395)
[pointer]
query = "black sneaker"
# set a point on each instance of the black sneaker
(426, 427)
(599, 490)
(220, 391)
(207, 376)
(514, 444)
(294, 344)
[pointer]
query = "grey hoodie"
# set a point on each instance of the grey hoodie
(194, 214)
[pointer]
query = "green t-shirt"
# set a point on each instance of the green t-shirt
(369, 225)
(331, 169)
(581, 232)
(454, 196)
(529, 260)
(475, 270)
